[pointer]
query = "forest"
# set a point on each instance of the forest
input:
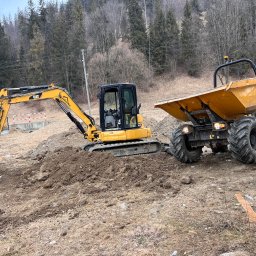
(124, 40)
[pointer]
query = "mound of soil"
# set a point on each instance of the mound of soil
(71, 138)
(62, 162)
(163, 129)
(102, 171)
(150, 122)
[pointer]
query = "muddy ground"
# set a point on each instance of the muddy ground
(56, 199)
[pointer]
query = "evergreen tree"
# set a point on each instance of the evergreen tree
(22, 66)
(5, 48)
(35, 58)
(196, 7)
(23, 27)
(251, 43)
(252, 14)
(190, 41)
(172, 41)
(59, 50)
(102, 36)
(76, 41)
(42, 16)
(47, 28)
(138, 35)
(164, 36)
(92, 5)
(158, 42)
(33, 18)
(150, 10)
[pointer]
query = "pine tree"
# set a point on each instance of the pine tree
(172, 41)
(76, 41)
(251, 10)
(138, 35)
(251, 43)
(102, 36)
(59, 50)
(150, 9)
(92, 5)
(189, 41)
(33, 18)
(158, 42)
(35, 58)
(164, 36)
(42, 15)
(196, 7)
(22, 66)
(47, 28)
(5, 48)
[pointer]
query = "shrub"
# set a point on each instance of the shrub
(120, 65)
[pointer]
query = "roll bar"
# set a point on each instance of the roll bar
(253, 66)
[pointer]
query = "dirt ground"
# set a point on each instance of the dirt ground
(56, 199)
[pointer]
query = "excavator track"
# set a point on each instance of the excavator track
(126, 148)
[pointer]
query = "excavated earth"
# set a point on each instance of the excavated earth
(56, 199)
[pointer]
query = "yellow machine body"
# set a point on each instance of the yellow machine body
(120, 141)
(125, 135)
(56, 93)
(229, 102)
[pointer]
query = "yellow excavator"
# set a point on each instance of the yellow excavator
(121, 126)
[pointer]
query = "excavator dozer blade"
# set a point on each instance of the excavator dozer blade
(126, 148)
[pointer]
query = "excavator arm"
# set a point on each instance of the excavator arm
(9, 96)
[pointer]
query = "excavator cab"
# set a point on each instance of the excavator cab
(118, 107)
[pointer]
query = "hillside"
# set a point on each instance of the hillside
(59, 200)
(131, 41)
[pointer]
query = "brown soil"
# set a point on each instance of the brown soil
(103, 172)
(72, 137)
(56, 199)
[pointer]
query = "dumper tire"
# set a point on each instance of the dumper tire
(181, 149)
(242, 140)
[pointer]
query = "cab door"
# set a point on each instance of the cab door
(110, 108)
(129, 107)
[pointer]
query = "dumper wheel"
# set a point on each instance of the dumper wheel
(181, 149)
(242, 140)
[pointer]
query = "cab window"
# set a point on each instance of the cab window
(130, 113)
(111, 110)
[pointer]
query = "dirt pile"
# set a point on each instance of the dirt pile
(101, 171)
(71, 138)
(150, 122)
(163, 129)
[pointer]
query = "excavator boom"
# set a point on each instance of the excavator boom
(60, 95)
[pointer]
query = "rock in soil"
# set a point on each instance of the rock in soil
(186, 180)
(236, 253)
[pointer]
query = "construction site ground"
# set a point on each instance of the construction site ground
(56, 199)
